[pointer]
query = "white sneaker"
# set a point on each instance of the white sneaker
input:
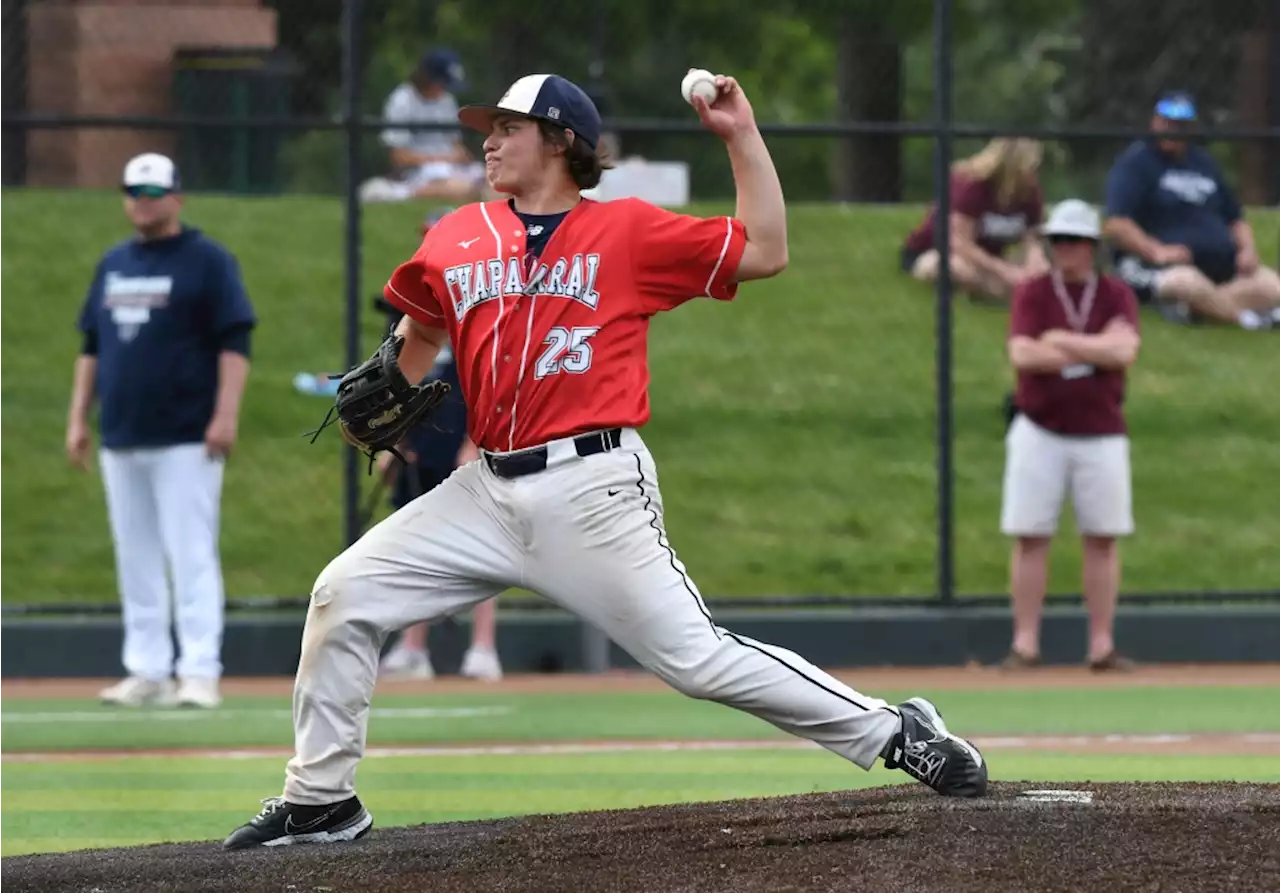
(197, 692)
(406, 663)
(135, 691)
(482, 664)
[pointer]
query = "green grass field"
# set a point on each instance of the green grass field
(794, 429)
(78, 803)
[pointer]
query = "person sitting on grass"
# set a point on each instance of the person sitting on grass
(1181, 240)
(996, 203)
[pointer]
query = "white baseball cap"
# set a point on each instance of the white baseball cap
(151, 169)
(1074, 217)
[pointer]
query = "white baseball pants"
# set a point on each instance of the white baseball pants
(163, 505)
(586, 533)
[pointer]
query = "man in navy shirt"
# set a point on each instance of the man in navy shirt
(1179, 232)
(434, 449)
(165, 328)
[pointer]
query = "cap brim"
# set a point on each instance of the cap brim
(481, 117)
(1071, 233)
(1174, 111)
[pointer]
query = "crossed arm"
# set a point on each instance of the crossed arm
(1115, 347)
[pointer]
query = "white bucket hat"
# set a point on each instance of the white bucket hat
(1073, 217)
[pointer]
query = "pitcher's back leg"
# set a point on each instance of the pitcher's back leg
(603, 553)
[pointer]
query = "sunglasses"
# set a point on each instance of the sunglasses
(1070, 240)
(146, 191)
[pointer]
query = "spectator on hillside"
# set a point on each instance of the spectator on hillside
(996, 203)
(427, 163)
(166, 328)
(1073, 333)
(1180, 237)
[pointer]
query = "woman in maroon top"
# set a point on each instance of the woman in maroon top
(1073, 333)
(996, 204)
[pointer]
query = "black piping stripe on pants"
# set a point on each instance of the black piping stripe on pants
(684, 578)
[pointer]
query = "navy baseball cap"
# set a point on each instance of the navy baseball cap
(545, 97)
(443, 66)
(1176, 107)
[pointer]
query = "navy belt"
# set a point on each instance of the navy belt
(531, 461)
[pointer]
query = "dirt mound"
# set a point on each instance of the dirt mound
(1183, 837)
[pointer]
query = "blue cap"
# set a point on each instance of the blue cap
(1176, 107)
(443, 66)
(546, 97)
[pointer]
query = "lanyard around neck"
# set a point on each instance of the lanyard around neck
(1078, 318)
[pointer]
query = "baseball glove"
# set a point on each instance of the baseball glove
(376, 407)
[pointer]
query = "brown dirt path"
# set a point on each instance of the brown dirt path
(868, 679)
(1114, 838)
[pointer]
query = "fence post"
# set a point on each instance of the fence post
(942, 47)
(351, 111)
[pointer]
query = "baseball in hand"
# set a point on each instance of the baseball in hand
(699, 82)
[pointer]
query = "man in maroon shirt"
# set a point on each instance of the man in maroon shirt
(1072, 335)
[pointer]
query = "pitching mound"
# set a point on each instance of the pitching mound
(1023, 836)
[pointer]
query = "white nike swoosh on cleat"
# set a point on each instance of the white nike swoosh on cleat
(351, 832)
(291, 828)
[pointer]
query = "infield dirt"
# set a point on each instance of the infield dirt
(1125, 837)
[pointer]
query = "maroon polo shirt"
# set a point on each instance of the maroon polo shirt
(1081, 401)
(997, 227)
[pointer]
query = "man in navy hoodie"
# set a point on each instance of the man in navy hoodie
(165, 352)
(1179, 233)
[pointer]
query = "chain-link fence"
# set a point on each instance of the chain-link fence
(278, 112)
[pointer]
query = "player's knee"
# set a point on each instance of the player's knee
(335, 586)
(1269, 284)
(693, 674)
(1183, 283)
(925, 267)
(1098, 545)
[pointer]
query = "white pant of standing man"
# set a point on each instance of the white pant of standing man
(163, 504)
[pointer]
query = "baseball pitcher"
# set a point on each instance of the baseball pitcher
(545, 299)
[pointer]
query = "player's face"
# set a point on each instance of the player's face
(150, 209)
(1072, 254)
(1169, 131)
(515, 155)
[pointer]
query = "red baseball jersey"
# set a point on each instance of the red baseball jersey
(557, 346)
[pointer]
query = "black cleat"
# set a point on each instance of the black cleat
(928, 752)
(281, 823)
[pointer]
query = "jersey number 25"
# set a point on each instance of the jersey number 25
(568, 350)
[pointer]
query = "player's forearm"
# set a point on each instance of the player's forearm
(1242, 233)
(761, 206)
(969, 250)
(420, 349)
(1106, 350)
(1027, 355)
(1130, 237)
(233, 373)
(82, 388)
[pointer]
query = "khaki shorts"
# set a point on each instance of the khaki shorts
(1040, 467)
